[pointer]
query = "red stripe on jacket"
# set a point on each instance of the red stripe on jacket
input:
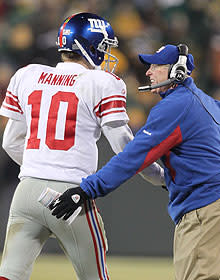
(168, 165)
(163, 148)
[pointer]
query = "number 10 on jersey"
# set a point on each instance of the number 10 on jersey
(34, 100)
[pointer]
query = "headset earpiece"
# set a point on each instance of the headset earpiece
(179, 69)
(177, 72)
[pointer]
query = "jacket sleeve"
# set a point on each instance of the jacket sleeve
(118, 137)
(160, 134)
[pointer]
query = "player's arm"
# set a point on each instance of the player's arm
(119, 135)
(154, 174)
(14, 139)
(11, 108)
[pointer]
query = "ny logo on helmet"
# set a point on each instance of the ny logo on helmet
(98, 25)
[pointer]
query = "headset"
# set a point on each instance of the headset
(177, 72)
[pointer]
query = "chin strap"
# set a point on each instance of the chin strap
(85, 54)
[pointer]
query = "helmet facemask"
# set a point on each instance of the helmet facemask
(105, 46)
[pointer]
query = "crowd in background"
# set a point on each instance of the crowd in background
(28, 32)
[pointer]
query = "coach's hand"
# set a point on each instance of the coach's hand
(68, 202)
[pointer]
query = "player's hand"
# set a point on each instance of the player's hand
(68, 202)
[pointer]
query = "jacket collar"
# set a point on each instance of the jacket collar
(188, 82)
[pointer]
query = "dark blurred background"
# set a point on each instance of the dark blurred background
(135, 215)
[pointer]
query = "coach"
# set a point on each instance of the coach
(183, 130)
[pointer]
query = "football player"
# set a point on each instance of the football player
(56, 115)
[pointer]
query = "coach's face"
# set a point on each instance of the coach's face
(157, 74)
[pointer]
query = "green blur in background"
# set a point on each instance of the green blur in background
(120, 268)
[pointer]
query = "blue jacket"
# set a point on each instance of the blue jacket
(183, 129)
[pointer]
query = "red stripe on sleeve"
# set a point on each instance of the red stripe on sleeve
(113, 112)
(10, 101)
(109, 105)
(109, 97)
(10, 93)
(12, 109)
(158, 151)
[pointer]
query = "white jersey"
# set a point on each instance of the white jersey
(64, 109)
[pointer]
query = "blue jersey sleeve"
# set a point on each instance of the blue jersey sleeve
(160, 134)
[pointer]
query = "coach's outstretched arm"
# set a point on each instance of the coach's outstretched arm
(119, 169)
(158, 136)
(118, 137)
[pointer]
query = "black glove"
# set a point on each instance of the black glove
(68, 202)
(164, 187)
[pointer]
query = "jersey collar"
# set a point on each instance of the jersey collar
(70, 65)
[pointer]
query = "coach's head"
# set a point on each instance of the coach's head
(159, 65)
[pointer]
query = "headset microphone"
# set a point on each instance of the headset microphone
(178, 71)
(150, 87)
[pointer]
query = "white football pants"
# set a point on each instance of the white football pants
(30, 225)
